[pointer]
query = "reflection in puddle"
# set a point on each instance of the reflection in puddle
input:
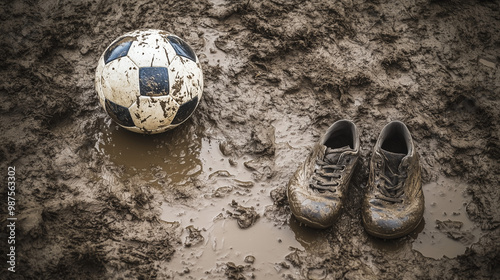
(448, 231)
(162, 158)
(312, 240)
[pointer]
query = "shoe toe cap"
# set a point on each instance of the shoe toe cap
(314, 211)
(391, 223)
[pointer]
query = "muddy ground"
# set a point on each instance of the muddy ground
(91, 197)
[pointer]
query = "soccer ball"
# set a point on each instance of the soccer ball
(149, 81)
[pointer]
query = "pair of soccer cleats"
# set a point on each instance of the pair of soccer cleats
(393, 202)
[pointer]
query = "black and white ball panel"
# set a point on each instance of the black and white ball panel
(153, 81)
(98, 84)
(185, 111)
(119, 114)
(151, 50)
(118, 48)
(181, 48)
(194, 77)
(185, 73)
(120, 81)
(150, 113)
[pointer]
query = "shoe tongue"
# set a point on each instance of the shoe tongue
(333, 155)
(393, 159)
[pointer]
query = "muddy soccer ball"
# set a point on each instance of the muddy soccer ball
(149, 81)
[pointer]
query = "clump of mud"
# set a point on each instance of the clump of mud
(246, 216)
(92, 198)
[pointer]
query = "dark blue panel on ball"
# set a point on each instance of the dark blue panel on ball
(182, 48)
(119, 114)
(118, 49)
(153, 81)
(185, 110)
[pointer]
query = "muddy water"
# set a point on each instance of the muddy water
(168, 161)
(445, 229)
(445, 201)
(222, 239)
(158, 159)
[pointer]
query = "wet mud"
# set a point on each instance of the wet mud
(207, 200)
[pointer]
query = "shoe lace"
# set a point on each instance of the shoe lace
(391, 184)
(326, 177)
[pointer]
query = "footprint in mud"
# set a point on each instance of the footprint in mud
(453, 229)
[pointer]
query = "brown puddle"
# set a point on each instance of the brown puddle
(312, 240)
(223, 240)
(166, 160)
(447, 231)
(151, 158)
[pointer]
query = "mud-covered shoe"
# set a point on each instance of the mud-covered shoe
(316, 190)
(394, 203)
